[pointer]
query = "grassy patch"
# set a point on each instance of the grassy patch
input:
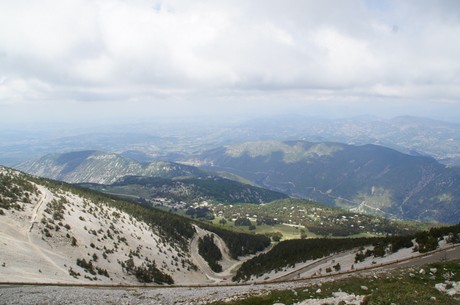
(406, 286)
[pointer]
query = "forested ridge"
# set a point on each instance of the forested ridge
(211, 188)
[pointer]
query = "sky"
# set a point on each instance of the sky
(126, 60)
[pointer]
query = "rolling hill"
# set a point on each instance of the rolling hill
(367, 178)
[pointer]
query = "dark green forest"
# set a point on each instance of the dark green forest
(210, 252)
(239, 244)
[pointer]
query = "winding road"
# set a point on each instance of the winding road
(228, 264)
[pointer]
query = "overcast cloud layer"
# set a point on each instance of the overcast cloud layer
(109, 59)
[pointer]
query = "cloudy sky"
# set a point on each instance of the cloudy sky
(89, 60)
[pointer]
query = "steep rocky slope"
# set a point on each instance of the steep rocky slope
(53, 232)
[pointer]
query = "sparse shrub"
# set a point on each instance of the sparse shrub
(303, 234)
(103, 272)
(426, 241)
(147, 272)
(361, 256)
(277, 236)
(242, 222)
(47, 232)
(74, 273)
(122, 239)
(87, 265)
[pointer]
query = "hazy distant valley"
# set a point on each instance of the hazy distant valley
(169, 207)
(178, 140)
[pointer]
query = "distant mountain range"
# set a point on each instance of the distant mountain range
(368, 178)
(177, 141)
(407, 134)
(101, 167)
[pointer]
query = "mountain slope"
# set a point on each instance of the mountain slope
(100, 167)
(54, 232)
(367, 178)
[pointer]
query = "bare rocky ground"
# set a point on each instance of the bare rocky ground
(14, 294)
(138, 295)
(199, 295)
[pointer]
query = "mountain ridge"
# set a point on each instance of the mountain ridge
(101, 167)
(367, 178)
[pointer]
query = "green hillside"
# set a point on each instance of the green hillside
(296, 218)
(189, 189)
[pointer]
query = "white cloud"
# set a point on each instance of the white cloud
(208, 54)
